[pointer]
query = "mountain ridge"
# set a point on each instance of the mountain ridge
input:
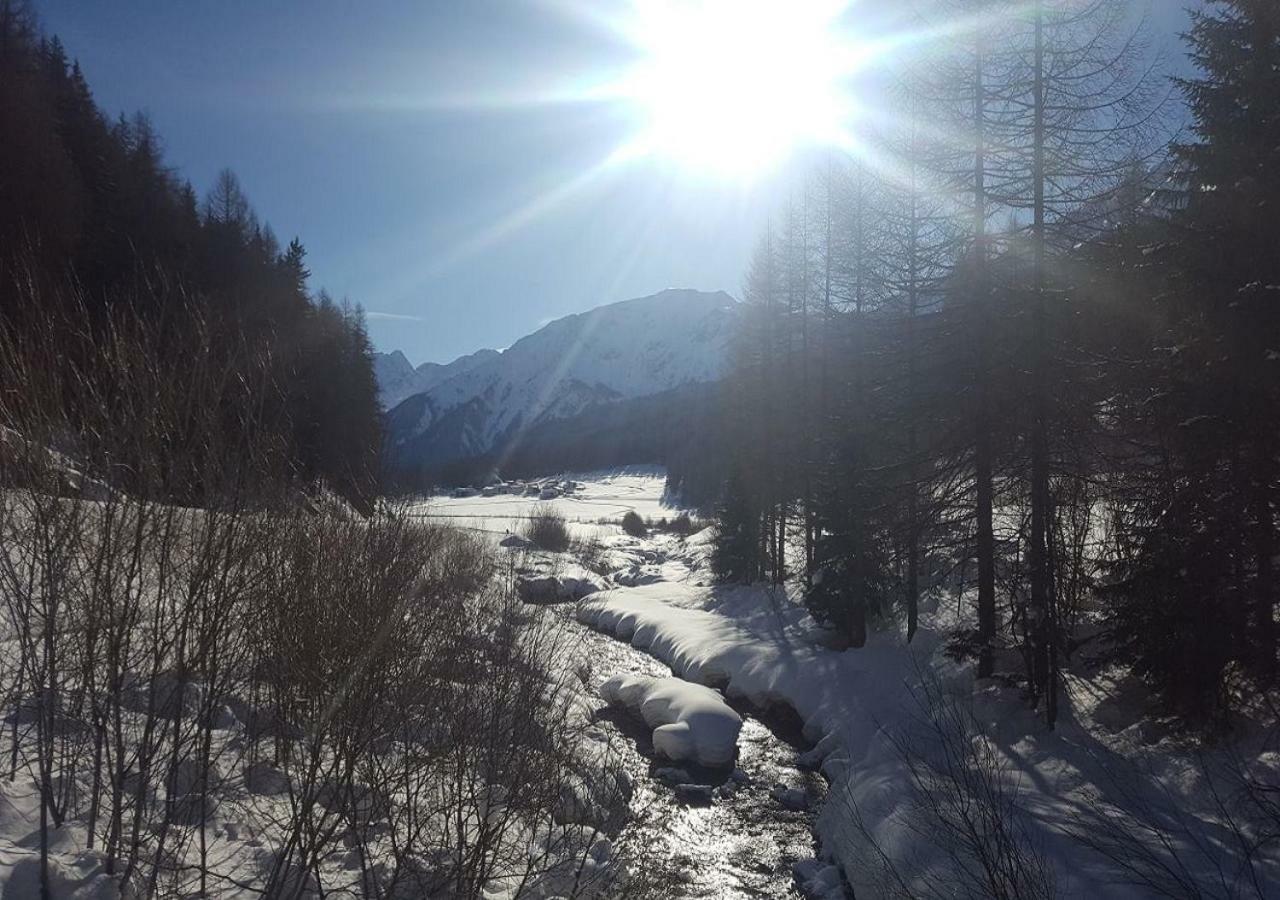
(398, 379)
(480, 405)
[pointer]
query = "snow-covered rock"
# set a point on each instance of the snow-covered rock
(690, 722)
(174, 697)
(793, 799)
(564, 584)
(637, 575)
(187, 777)
(263, 778)
(538, 589)
(672, 775)
(262, 721)
(364, 802)
(29, 711)
(700, 794)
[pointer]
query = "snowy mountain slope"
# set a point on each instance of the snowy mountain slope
(622, 351)
(393, 372)
(398, 379)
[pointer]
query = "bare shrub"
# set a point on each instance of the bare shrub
(433, 716)
(187, 633)
(547, 530)
(633, 525)
(123, 605)
(592, 555)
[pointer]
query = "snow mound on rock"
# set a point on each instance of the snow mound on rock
(689, 721)
(562, 583)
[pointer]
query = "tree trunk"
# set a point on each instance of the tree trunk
(1040, 625)
(985, 491)
(1264, 542)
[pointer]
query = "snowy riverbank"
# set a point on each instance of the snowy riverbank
(908, 740)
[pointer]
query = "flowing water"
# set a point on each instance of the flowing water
(742, 843)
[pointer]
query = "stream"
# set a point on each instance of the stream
(744, 842)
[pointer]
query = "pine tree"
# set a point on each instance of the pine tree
(90, 202)
(736, 554)
(227, 205)
(1233, 255)
(1197, 596)
(1087, 105)
(293, 263)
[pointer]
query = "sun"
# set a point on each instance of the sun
(735, 86)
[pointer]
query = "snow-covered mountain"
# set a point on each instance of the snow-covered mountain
(398, 379)
(483, 402)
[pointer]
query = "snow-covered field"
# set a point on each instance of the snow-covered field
(602, 497)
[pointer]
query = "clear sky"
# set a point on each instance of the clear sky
(426, 153)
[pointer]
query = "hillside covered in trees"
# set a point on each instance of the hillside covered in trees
(95, 227)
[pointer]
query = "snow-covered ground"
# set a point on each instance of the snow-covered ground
(592, 510)
(252, 794)
(882, 723)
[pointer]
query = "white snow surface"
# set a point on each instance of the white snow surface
(592, 511)
(690, 723)
(623, 350)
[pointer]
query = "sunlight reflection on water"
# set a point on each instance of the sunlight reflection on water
(739, 846)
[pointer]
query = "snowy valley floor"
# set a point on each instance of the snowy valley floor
(925, 764)
(758, 757)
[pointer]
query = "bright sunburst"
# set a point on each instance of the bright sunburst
(733, 86)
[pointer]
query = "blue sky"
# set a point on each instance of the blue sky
(388, 137)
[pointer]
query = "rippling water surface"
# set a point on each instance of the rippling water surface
(744, 842)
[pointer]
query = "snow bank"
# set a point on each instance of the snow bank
(75, 873)
(758, 644)
(82, 878)
(758, 657)
(689, 721)
(761, 647)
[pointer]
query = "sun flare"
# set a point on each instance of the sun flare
(734, 87)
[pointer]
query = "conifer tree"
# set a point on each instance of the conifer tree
(293, 262)
(1196, 598)
(1233, 255)
(90, 202)
(735, 555)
